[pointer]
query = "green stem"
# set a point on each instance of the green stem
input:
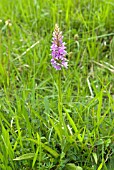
(60, 98)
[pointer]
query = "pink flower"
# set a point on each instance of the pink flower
(58, 50)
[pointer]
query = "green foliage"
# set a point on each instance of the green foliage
(31, 133)
(71, 166)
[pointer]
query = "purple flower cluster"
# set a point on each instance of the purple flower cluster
(58, 50)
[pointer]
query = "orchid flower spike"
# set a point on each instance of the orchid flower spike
(58, 50)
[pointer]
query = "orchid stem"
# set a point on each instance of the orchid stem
(60, 99)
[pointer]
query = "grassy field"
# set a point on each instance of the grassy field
(32, 136)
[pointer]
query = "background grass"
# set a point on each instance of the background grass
(31, 136)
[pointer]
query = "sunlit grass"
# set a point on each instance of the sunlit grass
(31, 136)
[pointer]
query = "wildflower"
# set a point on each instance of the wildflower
(8, 23)
(58, 50)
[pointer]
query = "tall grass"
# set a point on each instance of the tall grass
(31, 135)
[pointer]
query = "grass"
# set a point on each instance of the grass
(31, 135)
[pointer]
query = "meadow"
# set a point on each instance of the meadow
(44, 126)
